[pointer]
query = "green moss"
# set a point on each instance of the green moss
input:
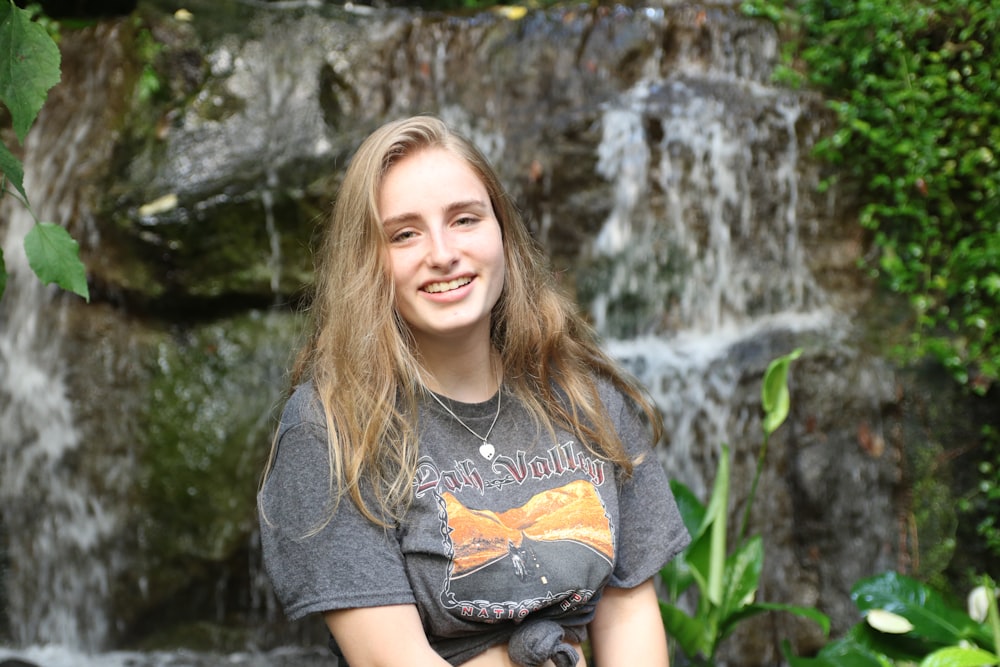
(209, 419)
(934, 513)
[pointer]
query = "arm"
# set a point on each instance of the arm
(390, 636)
(627, 628)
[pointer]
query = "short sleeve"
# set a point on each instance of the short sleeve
(650, 531)
(317, 565)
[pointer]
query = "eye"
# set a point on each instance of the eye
(466, 220)
(402, 235)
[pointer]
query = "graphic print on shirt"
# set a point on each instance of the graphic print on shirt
(554, 550)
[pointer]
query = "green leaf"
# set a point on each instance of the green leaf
(841, 653)
(698, 557)
(12, 170)
(742, 576)
(931, 617)
(774, 395)
(677, 576)
(55, 258)
(688, 632)
(692, 510)
(29, 66)
(716, 515)
(958, 656)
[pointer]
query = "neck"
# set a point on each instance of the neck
(470, 373)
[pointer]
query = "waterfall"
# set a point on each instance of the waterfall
(50, 514)
(55, 510)
(695, 272)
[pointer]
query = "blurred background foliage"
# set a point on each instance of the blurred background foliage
(915, 88)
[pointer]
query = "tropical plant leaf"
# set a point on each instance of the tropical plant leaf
(960, 656)
(692, 510)
(12, 169)
(932, 618)
(743, 569)
(716, 516)
(29, 66)
(55, 258)
(677, 577)
(841, 653)
(698, 557)
(774, 396)
(688, 632)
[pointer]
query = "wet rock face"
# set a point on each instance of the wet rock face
(669, 182)
(252, 117)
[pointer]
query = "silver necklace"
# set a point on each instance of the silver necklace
(486, 449)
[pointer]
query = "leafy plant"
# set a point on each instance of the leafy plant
(982, 503)
(914, 88)
(30, 67)
(727, 582)
(908, 623)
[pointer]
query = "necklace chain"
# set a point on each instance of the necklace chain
(495, 417)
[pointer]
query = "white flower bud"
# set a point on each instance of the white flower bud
(888, 622)
(978, 603)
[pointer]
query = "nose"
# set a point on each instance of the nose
(442, 251)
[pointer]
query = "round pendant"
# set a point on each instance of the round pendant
(487, 450)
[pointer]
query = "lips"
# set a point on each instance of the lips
(447, 285)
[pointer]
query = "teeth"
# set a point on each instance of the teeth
(436, 288)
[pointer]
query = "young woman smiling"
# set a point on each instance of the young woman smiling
(461, 475)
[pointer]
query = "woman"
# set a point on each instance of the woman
(461, 475)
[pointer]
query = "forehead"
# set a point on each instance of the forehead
(429, 178)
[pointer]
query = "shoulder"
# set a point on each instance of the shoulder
(630, 421)
(302, 408)
(619, 405)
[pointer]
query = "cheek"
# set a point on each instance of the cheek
(396, 267)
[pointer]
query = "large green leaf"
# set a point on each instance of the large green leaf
(29, 66)
(932, 618)
(716, 517)
(742, 576)
(774, 396)
(698, 557)
(677, 577)
(692, 510)
(55, 258)
(12, 169)
(688, 632)
(960, 656)
(841, 653)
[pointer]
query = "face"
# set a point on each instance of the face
(445, 249)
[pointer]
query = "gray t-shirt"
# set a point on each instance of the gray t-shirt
(487, 545)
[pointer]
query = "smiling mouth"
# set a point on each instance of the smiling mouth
(437, 288)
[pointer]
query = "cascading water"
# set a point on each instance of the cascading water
(699, 272)
(56, 589)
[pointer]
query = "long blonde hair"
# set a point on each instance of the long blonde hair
(362, 360)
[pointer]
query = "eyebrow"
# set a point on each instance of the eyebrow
(405, 218)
